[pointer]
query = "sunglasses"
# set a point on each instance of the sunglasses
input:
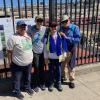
(39, 20)
(66, 21)
(53, 27)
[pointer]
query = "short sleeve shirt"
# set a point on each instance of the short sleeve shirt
(21, 47)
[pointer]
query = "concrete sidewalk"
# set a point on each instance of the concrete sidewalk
(87, 88)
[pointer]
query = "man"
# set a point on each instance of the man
(71, 33)
(37, 32)
(19, 48)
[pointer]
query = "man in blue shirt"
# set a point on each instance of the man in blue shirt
(37, 32)
(71, 32)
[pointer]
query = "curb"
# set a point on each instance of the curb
(87, 68)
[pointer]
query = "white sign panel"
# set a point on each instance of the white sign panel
(8, 29)
(28, 21)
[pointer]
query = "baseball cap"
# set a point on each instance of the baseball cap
(38, 17)
(20, 23)
(64, 18)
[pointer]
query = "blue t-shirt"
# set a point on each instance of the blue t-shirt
(37, 36)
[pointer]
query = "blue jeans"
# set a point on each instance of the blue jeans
(54, 71)
(17, 73)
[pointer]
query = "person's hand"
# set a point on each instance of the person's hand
(62, 34)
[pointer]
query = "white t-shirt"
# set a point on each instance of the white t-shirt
(21, 46)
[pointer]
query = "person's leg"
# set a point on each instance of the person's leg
(27, 74)
(16, 78)
(51, 75)
(58, 74)
(41, 72)
(35, 77)
(64, 70)
(71, 72)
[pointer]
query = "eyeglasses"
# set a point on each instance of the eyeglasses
(66, 21)
(53, 27)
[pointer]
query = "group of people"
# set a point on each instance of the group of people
(38, 49)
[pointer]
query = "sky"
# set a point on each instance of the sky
(15, 2)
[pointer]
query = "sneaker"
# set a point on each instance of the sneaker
(50, 88)
(18, 95)
(29, 91)
(59, 87)
(71, 85)
(36, 89)
(42, 87)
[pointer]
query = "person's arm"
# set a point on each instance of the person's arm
(29, 30)
(10, 46)
(9, 55)
(76, 36)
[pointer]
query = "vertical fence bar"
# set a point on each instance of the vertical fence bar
(90, 47)
(52, 10)
(5, 7)
(32, 10)
(71, 9)
(38, 7)
(74, 19)
(25, 8)
(83, 35)
(66, 7)
(56, 17)
(98, 51)
(87, 32)
(4, 3)
(80, 13)
(44, 12)
(19, 13)
(12, 15)
(75, 10)
(60, 10)
(78, 55)
(96, 17)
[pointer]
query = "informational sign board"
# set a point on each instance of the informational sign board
(6, 30)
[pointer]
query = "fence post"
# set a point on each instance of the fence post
(52, 10)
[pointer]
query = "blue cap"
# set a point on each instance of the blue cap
(21, 22)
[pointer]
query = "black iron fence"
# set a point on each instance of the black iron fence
(84, 13)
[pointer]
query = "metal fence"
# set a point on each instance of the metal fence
(84, 13)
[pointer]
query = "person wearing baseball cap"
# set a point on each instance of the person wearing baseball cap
(71, 33)
(19, 47)
(37, 32)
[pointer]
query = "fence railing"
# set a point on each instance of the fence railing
(84, 13)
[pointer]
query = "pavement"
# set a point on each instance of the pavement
(87, 87)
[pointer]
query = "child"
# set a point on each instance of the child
(54, 45)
